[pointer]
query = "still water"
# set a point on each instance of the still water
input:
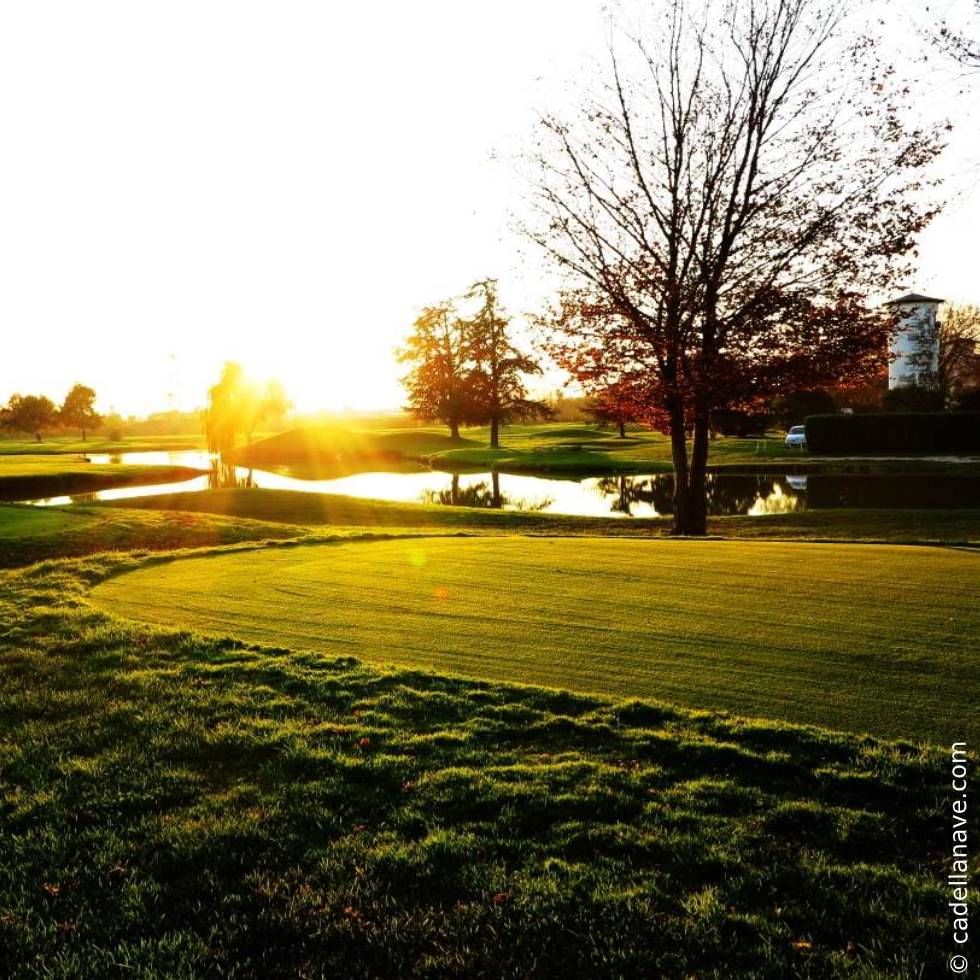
(611, 496)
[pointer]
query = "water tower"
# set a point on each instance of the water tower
(913, 353)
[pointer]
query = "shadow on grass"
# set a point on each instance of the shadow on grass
(184, 806)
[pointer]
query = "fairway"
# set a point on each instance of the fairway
(870, 638)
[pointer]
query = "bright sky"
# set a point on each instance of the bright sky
(286, 184)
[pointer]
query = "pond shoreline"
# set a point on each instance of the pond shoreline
(844, 465)
(39, 486)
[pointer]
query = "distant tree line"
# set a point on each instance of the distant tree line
(38, 414)
(467, 370)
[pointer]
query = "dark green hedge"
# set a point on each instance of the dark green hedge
(885, 433)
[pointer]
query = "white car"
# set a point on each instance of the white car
(796, 437)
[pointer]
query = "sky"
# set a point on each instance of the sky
(286, 184)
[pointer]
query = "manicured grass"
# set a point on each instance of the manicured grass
(957, 527)
(172, 806)
(100, 444)
(899, 526)
(339, 510)
(548, 448)
(27, 476)
(863, 638)
(30, 534)
(20, 522)
(553, 448)
(332, 445)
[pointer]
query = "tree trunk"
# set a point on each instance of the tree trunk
(454, 430)
(697, 484)
(496, 500)
(622, 430)
(690, 488)
(83, 436)
(678, 447)
(494, 433)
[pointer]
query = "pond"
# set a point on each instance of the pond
(611, 496)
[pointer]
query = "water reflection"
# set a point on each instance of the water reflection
(612, 496)
(652, 496)
(777, 501)
(912, 491)
(479, 494)
(485, 493)
(227, 476)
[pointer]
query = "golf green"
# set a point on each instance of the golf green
(873, 638)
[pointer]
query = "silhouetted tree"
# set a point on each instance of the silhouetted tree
(959, 342)
(793, 407)
(721, 201)
(734, 422)
(29, 413)
(78, 410)
(968, 400)
(237, 406)
(275, 405)
(500, 394)
(439, 384)
(913, 398)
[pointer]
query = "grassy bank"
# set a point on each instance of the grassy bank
(31, 534)
(897, 526)
(573, 450)
(181, 807)
(556, 449)
(98, 443)
(857, 637)
(23, 477)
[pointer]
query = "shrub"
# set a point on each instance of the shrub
(796, 405)
(894, 432)
(969, 400)
(731, 422)
(913, 398)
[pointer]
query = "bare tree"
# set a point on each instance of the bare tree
(959, 350)
(959, 43)
(729, 188)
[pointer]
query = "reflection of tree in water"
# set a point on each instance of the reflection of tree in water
(745, 494)
(782, 499)
(483, 494)
(477, 495)
(224, 476)
(726, 494)
(627, 491)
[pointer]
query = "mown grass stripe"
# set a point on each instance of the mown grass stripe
(865, 638)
